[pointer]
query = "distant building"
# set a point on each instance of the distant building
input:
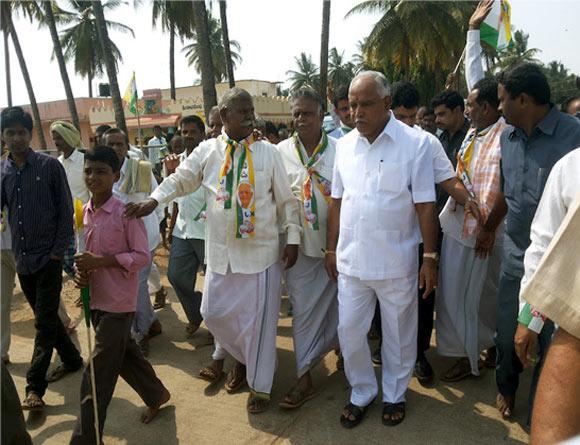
(157, 108)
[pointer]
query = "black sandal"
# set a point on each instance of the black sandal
(390, 409)
(357, 411)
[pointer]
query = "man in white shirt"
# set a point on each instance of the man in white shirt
(7, 283)
(550, 285)
(340, 102)
(405, 106)
(309, 158)
(155, 145)
(383, 204)
(248, 198)
(67, 139)
(135, 184)
(188, 232)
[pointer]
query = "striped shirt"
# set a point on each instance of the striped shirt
(40, 210)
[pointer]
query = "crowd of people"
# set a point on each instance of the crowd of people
(400, 212)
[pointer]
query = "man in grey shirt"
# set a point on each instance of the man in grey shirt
(538, 136)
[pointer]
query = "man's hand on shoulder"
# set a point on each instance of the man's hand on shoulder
(134, 210)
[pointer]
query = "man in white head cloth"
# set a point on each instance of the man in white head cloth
(309, 158)
(248, 198)
(382, 205)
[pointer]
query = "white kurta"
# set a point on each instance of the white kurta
(312, 293)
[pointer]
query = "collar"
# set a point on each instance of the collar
(107, 206)
(225, 135)
(547, 125)
(75, 156)
(390, 130)
(31, 156)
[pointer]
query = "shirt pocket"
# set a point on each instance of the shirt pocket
(391, 177)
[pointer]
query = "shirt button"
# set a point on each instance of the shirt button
(19, 207)
(20, 222)
(18, 189)
(21, 237)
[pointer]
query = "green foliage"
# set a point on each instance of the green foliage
(218, 53)
(340, 72)
(80, 40)
(306, 73)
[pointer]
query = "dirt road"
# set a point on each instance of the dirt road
(459, 413)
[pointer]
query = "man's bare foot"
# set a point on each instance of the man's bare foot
(505, 405)
(152, 411)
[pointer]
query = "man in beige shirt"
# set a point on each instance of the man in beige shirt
(309, 158)
(248, 198)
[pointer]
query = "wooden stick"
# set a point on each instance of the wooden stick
(93, 387)
(459, 62)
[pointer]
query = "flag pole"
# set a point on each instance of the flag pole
(137, 113)
(459, 61)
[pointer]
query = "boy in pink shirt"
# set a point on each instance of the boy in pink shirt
(116, 248)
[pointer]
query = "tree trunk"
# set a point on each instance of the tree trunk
(172, 57)
(90, 77)
(7, 68)
(207, 74)
(61, 64)
(324, 50)
(110, 64)
(226, 42)
(26, 76)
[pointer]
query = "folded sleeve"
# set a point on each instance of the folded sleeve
(422, 180)
(138, 254)
(473, 67)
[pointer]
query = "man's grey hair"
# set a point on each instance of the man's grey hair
(233, 95)
(307, 92)
(383, 87)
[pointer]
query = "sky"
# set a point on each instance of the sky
(270, 32)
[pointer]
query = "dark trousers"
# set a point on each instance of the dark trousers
(509, 367)
(185, 257)
(13, 428)
(42, 290)
(115, 354)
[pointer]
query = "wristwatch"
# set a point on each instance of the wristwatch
(431, 255)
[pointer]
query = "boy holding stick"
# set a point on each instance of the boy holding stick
(116, 248)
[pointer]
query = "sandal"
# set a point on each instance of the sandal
(160, 298)
(59, 372)
(33, 402)
(340, 362)
(393, 408)
(357, 411)
(257, 402)
(236, 378)
(297, 397)
(459, 371)
(210, 375)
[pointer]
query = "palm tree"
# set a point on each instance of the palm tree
(226, 43)
(219, 57)
(359, 58)
(48, 17)
(81, 43)
(428, 34)
(177, 18)
(7, 25)
(307, 73)
(324, 49)
(110, 64)
(516, 53)
(340, 72)
(7, 67)
(204, 51)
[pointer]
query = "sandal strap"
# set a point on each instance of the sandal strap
(354, 410)
(393, 408)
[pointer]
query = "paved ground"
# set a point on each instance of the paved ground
(457, 413)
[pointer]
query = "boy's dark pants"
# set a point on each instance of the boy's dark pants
(115, 354)
(42, 290)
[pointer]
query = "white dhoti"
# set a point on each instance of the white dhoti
(154, 280)
(399, 311)
(466, 301)
(241, 311)
(315, 311)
